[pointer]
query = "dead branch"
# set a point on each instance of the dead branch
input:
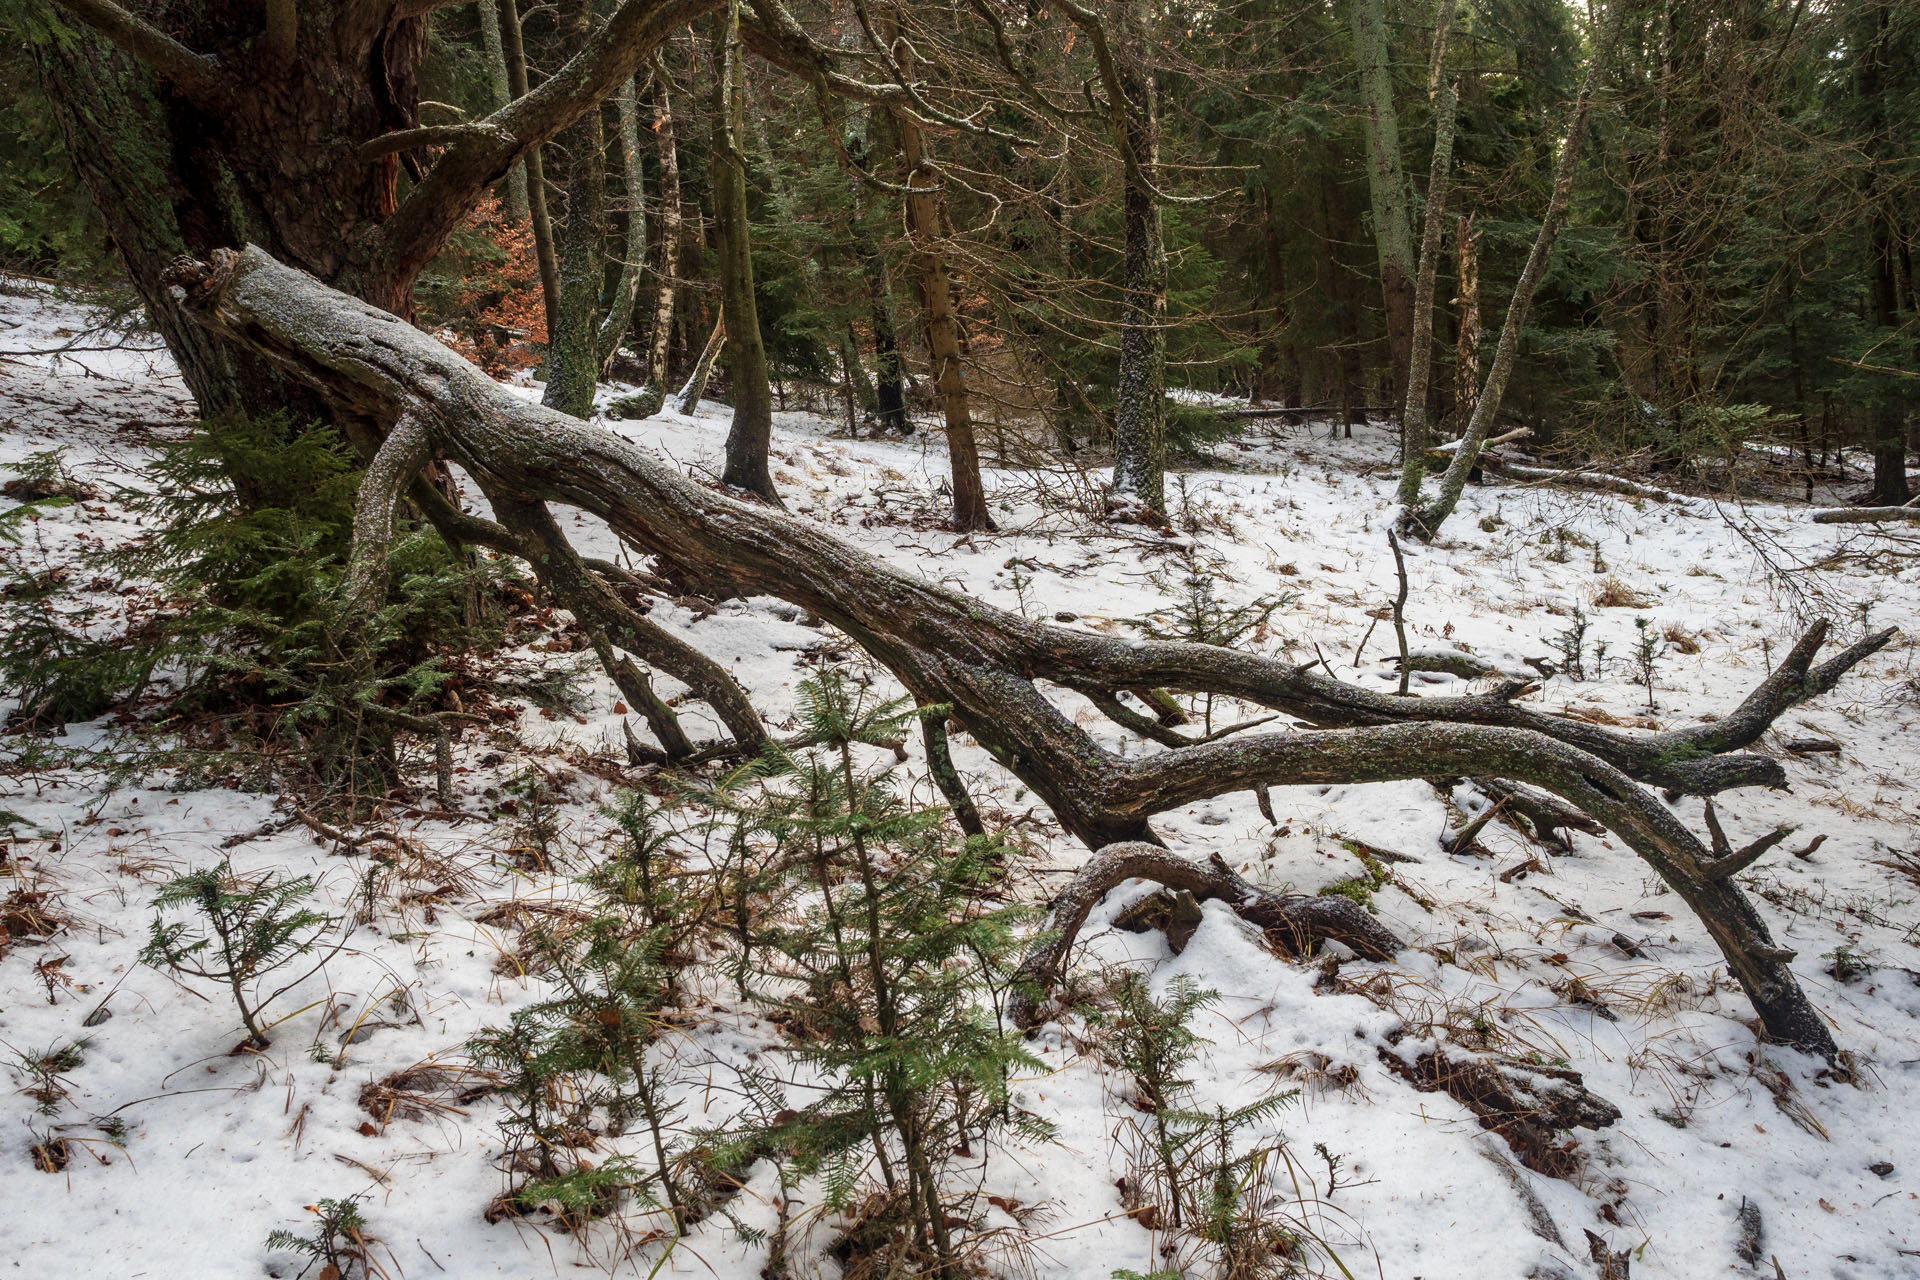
(1294, 920)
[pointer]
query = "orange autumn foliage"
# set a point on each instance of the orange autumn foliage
(497, 316)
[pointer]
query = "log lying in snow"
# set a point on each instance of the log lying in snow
(1294, 920)
(1866, 515)
(949, 647)
(1526, 1103)
(1600, 481)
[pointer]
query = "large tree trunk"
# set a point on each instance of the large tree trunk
(197, 124)
(177, 171)
(746, 356)
(946, 647)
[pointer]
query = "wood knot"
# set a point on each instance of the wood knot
(195, 283)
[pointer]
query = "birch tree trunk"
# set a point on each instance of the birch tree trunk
(660, 340)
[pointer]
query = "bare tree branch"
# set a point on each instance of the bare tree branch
(196, 75)
(612, 54)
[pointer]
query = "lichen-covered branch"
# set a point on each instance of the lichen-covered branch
(1296, 920)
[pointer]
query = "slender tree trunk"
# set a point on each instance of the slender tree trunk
(1282, 364)
(1386, 180)
(1890, 400)
(500, 89)
(633, 258)
(696, 388)
(1425, 522)
(1890, 488)
(573, 350)
(1466, 352)
(942, 326)
(752, 432)
(660, 341)
(889, 385)
(1416, 435)
(1140, 411)
(543, 246)
(890, 389)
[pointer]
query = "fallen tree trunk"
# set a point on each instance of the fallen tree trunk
(1600, 481)
(947, 647)
(1866, 515)
(1295, 920)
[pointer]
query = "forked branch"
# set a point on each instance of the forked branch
(1295, 920)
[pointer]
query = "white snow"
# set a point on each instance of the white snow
(219, 1148)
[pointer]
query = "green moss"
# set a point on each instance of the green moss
(1360, 889)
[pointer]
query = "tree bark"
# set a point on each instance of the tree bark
(1281, 362)
(890, 392)
(573, 347)
(500, 87)
(1386, 180)
(942, 326)
(1296, 920)
(746, 356)
(696, 388)
(1466, 352)
(1140, 410)
(1416, 436)
(181, 169)
(660, 341)
(544, 250)
(618, 320)
(949, 648)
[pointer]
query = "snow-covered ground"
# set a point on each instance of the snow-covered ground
(218, 1148)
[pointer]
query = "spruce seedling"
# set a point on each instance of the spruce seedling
(887, 979)
(245, 930)
(1572, 644)
(340, 1242)
(1648, 649)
